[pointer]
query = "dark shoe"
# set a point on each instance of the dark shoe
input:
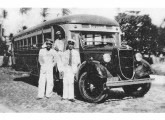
(72, 100)
(38, 98)
(63, 99)
(47, 97)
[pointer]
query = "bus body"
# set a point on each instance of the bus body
(105, 63)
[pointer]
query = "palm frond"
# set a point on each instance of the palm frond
(65, 11)
(24, 10)
(4, 14)
(44, 12)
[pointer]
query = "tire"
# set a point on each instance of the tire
(91, 90)
(137, 90)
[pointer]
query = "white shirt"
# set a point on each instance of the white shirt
(59, 44)
(75, 59)
(47, 57)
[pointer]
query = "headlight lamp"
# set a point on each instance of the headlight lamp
(138, 56)
(106, 58)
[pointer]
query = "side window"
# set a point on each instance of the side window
(21, 44)
(15, 45)
(75, 36)
(47, 35)
(98, 39)
(39, 40)
(33, 40)
(29, 42)
(25, 42)
(89, 39)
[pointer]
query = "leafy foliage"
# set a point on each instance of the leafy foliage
(44, 13)
(24, 10)
(65, 11)
(3, 46)
(139, 31)
(4, 14)
(161, 38)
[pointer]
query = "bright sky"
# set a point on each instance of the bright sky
(108, 9)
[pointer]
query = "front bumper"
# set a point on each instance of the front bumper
(114, 83)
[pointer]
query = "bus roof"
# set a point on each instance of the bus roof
(75, 19)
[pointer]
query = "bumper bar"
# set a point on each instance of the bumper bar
(128, 82)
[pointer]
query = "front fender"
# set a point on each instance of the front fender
(143, 69)
(93, 68)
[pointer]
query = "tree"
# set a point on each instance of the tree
(44, 13)
(2, 42)
(65, 11)
(161, 38)
(24, 12)
(4, 13)
(4, 16)
(2, 47)
(139, 31)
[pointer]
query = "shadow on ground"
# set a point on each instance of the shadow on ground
(30, 80)
(113, 95)
(116, 95)
(34, 81)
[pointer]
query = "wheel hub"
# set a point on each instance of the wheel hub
(92, 87)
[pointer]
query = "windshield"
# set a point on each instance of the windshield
(98, 39)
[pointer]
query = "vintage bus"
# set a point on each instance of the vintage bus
(105, 62)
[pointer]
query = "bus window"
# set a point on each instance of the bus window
(89, 39)
(98, 39)
(47, 35)
(39, 40)
(22, 44)
(33, 40)
(25, 42)
(29, 42)
(19, 44)
(110, 38)
(75, 36)
(15, 45)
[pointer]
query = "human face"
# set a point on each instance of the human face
(71, 45)
(49, 45)
(59, 36)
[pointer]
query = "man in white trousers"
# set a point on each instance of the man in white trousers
(59, 46)
(71, 60)
(47, 60)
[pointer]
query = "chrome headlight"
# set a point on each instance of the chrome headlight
(138, 56)
(106, 57)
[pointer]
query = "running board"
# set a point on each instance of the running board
(128, 82)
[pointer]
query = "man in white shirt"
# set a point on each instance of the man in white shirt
(47, 60)
(71, 60)
(59, 46)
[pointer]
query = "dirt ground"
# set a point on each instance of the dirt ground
(18, 94)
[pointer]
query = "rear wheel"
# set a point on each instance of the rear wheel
(92, 90)
(137, 90)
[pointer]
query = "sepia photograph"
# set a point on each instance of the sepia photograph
(82, 60)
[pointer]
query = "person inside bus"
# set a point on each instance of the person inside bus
(47, 60)
(71, 60)
(59, 46)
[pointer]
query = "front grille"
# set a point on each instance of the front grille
(126, 53)
(126, 63)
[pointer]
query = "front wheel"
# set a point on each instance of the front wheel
(137, 90)
(92, 90)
